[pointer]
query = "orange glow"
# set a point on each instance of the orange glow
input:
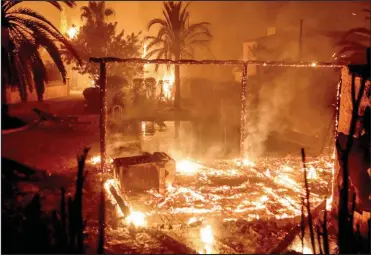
(187, 166)
(72, 32)
(96, 160)
(207, 239)
(312, 173)
(168, 84)
(136, 218)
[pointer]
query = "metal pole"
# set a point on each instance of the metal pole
(103, 115)
(243, 109)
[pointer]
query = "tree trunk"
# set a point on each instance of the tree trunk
(177, 104)
(177, 88)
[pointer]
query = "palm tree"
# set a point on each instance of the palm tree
(176, 38)
(355, 43)
(24, 32)
(96, 12)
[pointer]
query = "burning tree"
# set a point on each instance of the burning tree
(176, 38)
(98, 37)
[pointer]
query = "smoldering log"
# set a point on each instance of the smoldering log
(121, 203)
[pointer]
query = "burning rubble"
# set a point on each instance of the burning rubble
(225, 192)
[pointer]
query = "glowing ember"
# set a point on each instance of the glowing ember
(187, 166)
(207, 239)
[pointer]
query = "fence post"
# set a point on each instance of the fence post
(103, 114)
(243, 109)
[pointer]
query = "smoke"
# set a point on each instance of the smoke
(294, 107)
(274, 99)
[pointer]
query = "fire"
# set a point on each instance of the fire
(207, 239)
(244, 162)
(136, 218)
(96, 160)
(168, 84)
(143, 125)
(312, 174)
(187, 166)
(72, 32)
(107, 186)
(329, 203)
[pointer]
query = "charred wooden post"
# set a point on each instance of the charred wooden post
(243, 109)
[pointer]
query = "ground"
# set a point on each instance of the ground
(259, 203)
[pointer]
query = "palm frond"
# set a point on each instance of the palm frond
(31, 14)
(156, 22)
(53, 51)
(35, 25)
(359, 30)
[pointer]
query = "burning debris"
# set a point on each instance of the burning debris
(223, 191)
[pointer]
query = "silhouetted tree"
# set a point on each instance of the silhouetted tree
(176, 38)
(24, 32)
(98, 38)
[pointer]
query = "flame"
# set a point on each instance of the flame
(72, 32)
(244, 162)
(329, 203)
(96, 160)
(143, 125)
(186, 166)
(207, 239)
(312, 174)
(136, 218)
(168, 84)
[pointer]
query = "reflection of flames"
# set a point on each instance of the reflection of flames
(207, 239)
(168, 84)
(136, 218)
